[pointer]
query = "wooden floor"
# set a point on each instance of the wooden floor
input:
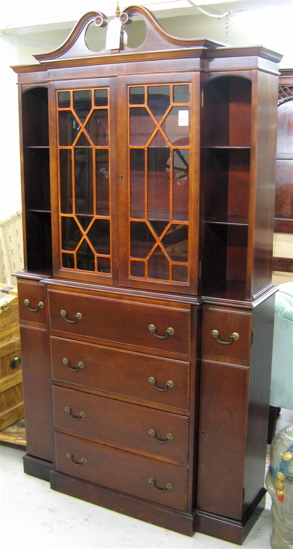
(14, 434)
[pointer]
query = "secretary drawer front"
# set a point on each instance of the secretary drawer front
(139, 476)
(31, 301)
(226, 334)
(160, 381)
(164, 328)
(121, 423)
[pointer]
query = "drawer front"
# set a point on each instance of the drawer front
(150, 379)
(120, 470)
(123, 322)
(226, 334)
(144, 429)
(31, 301)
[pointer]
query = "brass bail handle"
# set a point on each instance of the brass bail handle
(233, 337)
(77, 316)
(39, 306)
(170, 331)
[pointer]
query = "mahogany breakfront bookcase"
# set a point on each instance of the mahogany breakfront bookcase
(146, 303)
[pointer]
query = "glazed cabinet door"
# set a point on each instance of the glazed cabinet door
(85, 171)
(159, 181)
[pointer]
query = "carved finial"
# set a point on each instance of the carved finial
(117, 12)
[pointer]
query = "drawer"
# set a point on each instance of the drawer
(138, 476)
(109, 420)
(123, 321)
(31, 300)
(226, 333)
(150, 379)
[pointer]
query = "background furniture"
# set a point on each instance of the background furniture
(146, 303)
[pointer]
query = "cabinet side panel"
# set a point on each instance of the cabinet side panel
(259, 394)
(37, 393)
(265, 179)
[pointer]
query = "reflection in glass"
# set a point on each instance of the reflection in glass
(101, 97)
(137, 268)
(68, 128)
(136, 95)
(180, 184)
(180, 273)
(66, 180)
(71, 234)
(158, 265)
(99, 236)
(82, 103)
(158, 100)
(175, 243)
(176, 126)
(97, 127)
(64, 99)
(181, 93)
(83, 180)
(137, 170)
(142, 240)
(102, 181)
(141, 126)
(85, 257)
(159, 183)
(68, 261)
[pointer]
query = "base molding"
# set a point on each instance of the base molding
(177, 521)
(230, 530)
(37, 467)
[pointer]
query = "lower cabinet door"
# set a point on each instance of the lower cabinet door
(139, 476)
(222, 439)
(37, 389)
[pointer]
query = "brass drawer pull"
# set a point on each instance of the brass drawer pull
(78, 366)
(77, 316)
(167, 486)
(82, 461)
(153, 329)
(39, 306)
(168, 384)
(233, 337)
(153, 434)
(15, 362)
(69, 412)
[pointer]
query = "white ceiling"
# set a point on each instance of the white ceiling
(27, 17)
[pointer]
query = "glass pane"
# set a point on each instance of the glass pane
(141, 126)
(104, 265)
(180, 273)
(137, 167)
(82, 103)
(142, 239)
(136, 96)
(66, 180)
(137, 268)
(102, 175)
(68, 261)
(158, 265)
(180, 184)
(97, 127)
(181, 93)
(101, 98)
(83, 180)
(159, 183)
(85, 257)
(158, 100)
(71, 234)
(176, 126)
(84, 221)
(99, 236)
(175, 243)
(68, 128)
(64, 99)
